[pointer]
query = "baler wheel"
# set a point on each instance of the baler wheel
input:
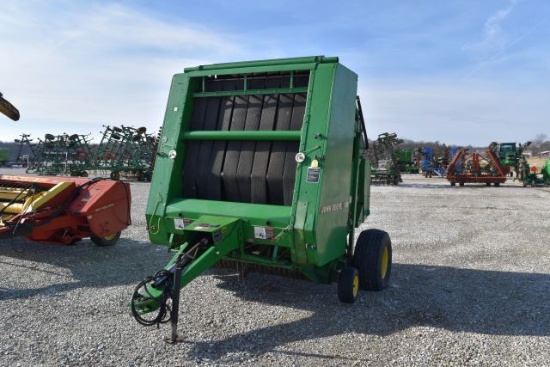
(373, 258)
(348, 285)
(106, 241)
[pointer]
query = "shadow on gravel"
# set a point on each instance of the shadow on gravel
(458, 300)
(448, 186)
(64, 268)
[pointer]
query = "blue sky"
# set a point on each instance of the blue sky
(461, 72)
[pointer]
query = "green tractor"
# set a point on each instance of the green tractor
(261, 166)
(509, 154)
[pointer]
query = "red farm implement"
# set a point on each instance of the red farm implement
(63, 210)
(476, 168)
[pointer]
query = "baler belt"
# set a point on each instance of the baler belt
(243, 171)
(233, 152)
(248, 149)
(192, 152)
(258, 184)
(203, 172)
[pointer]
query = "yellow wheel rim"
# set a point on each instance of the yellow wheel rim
(385, 262)
(111, 237)
(355, 285)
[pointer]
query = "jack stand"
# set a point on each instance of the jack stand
(175, 337)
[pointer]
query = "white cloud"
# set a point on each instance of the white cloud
(92, 65)
(494, 37)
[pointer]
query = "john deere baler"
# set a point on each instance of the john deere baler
(261, 165)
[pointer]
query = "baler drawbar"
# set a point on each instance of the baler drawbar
(262, 166)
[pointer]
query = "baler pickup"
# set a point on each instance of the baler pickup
(262, 166)
(63, 210)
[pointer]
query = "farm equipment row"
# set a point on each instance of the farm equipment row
(122, 149)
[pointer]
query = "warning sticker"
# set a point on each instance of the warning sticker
(264, 233)
(313, 174)
(179, 223)
(260, 232)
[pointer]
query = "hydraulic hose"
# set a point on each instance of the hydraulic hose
(143, 302)
(164, 279)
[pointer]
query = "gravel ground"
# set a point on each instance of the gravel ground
(470, 286)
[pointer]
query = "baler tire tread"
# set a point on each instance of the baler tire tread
(348, 284)
(106, 241)
(369, 257)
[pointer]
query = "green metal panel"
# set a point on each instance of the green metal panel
(336, 122)
(243, 135)
(298, 63)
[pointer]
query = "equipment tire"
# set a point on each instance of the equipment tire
(373, 258)
(106, 241)
(348, 285)
(140, 175)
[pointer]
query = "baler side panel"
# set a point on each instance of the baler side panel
(331, 228)
(165, 182)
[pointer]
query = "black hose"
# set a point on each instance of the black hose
(163, 278)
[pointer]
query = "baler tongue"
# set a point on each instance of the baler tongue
(213, 238)
(63, 210)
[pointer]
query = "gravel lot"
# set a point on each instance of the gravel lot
(470, 286)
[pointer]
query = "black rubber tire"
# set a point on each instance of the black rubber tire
(140, 175)
(348, 285)
(115, 175)
(106, 241)
(373, 258)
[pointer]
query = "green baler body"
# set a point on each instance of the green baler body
(227, 165)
